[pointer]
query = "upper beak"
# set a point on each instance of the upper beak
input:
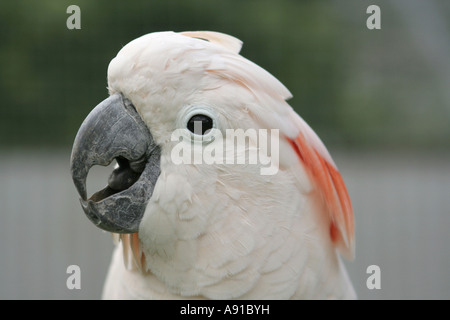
(114, 130)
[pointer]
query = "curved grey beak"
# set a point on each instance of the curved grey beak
(114, 130)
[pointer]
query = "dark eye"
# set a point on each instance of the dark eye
(200, 124)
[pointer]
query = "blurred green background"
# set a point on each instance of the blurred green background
(356, 87)
(379, 99)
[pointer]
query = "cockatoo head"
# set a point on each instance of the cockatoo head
(174, 99)
(161, 86)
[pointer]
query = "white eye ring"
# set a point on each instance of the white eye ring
(191, 111)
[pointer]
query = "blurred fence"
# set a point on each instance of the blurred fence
(401, 203)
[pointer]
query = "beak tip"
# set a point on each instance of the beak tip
(81, 188)
(84, 204)
(79, 175)
(90, 213)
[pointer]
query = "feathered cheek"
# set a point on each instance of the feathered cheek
(172, 193)
(173, 211)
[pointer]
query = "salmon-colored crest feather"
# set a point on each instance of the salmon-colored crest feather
(333, 191)
(221, 39)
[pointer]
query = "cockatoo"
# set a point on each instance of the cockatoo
(202, 229)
